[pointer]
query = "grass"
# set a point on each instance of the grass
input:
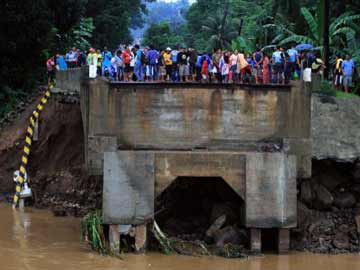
(328, 89)
(341, 94)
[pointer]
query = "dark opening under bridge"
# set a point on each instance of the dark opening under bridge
(142, 136)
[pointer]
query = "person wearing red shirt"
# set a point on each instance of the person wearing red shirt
(50, 66)
(127, 56)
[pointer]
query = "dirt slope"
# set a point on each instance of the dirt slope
(56, 160)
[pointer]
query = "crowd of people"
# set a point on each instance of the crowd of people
(147, 64)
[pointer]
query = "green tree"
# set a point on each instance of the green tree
(81, 34)
(160, 36)
(343, 26)
(220, 28)
(112, 20)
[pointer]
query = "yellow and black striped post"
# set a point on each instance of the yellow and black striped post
(27, 146)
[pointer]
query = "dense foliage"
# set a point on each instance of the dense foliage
(161, 36)
(31, 31)
(247, 24)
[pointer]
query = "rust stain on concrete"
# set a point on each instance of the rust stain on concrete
(249, 107)
(215, 111)
(188, 97)
(143, 104)
(111, 118)
(272, 104)
(188, 107)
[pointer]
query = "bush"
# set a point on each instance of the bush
(326, 88)
(9, 99)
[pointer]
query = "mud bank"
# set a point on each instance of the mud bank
(56, 171)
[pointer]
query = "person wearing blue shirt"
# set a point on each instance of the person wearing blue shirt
(292, 59)
(348, 69)
(60, 62)
(71, 58)
(293, 54)
(175, 73)
(138, 63)
(106, 62)
(198, 67)
(278, 65)
(153, 58)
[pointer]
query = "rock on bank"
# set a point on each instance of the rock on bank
(336, 128)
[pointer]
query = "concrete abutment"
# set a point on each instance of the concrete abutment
(142, 136)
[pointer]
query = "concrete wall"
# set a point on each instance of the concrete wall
(265, 181)
(195, 116)
(69, 80)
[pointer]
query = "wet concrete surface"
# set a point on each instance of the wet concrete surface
(36, 240)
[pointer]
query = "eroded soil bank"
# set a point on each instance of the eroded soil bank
(57, 176)
(329, 203)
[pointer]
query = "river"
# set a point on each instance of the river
(36, 240)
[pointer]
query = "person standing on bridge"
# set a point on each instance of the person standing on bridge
(234, 60)
(99, 68)
(50, 66)
(81, 58)
(71, 58)
(225, 67)
(126, 57)
(138, 70)
(106, 60)
(266, 70)
(293, 61)
(216, 57)
(348, 70)
(182, 64)
(60, 62)
(153, 57)
(175, 71)
(91, 58)
(192, 63)
(258, 58)
(278, 65)
(117, 66)
(168, 63)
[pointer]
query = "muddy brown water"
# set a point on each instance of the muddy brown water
(36, 240)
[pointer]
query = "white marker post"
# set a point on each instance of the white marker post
(25, 192)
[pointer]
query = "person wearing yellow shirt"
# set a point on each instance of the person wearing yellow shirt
(168, 63)
(91, 58)
(99, 62)
(243, 66)
(338, 76)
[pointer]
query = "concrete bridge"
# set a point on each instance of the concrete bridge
(142, 136)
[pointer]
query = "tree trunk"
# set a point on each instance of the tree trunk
(325, 32)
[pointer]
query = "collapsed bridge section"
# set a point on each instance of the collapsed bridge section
(142, 136)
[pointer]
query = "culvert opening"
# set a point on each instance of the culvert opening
(269, 240)
(202, 208)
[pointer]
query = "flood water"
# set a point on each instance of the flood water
(35, 240)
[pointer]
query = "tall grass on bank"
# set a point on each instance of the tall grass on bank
(92, 231)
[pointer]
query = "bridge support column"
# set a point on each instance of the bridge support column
(255, 240)
(114, 240)
(283, 241)
(140, 238)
